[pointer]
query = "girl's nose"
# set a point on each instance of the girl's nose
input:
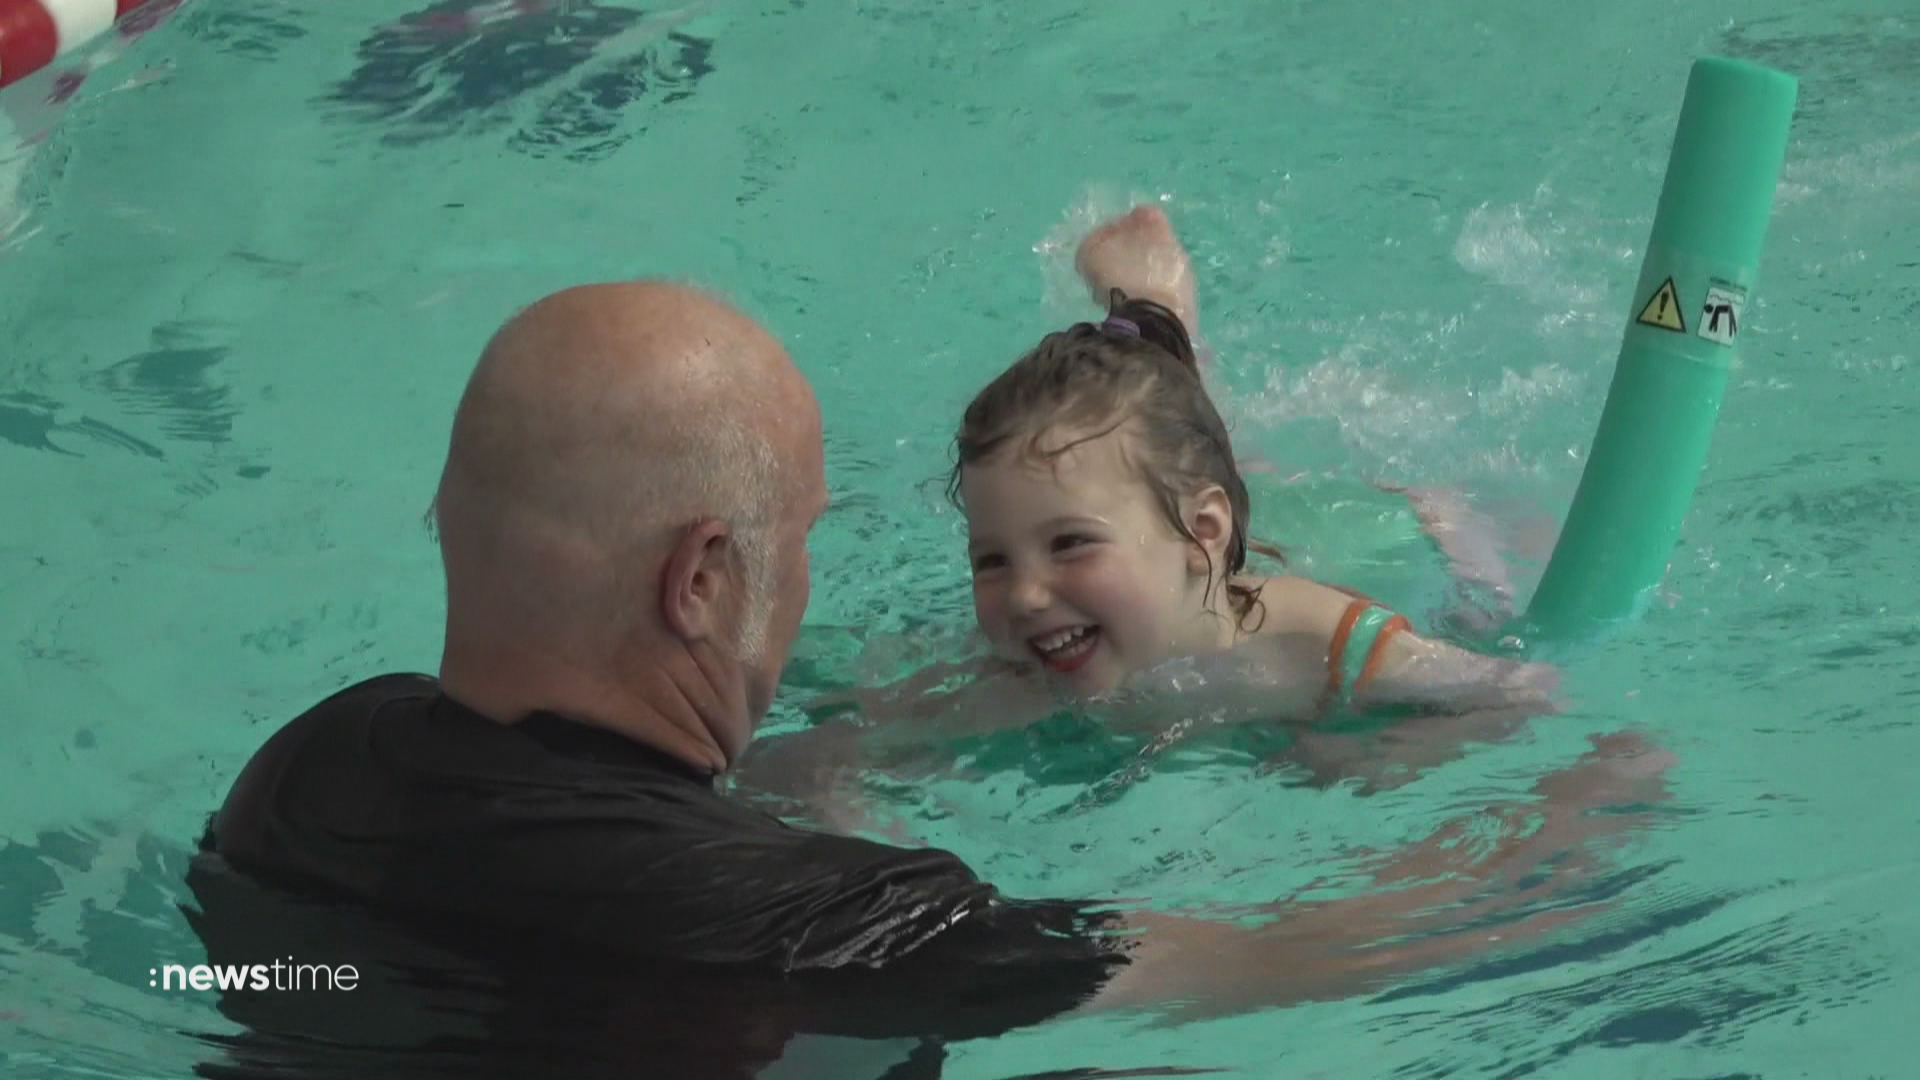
(1030, 593)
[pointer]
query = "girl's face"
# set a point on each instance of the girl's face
(1077, 569)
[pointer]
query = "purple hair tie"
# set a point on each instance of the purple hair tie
(1125, 326)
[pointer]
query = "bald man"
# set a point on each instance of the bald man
(623, 516)
(633, 473)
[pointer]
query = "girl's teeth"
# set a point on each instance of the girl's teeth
(1060, 639)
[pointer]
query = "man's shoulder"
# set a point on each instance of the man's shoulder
(346, 709)
(368, 694)
(322, 738)
(355, 703)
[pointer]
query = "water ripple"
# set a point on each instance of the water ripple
(451, 71)
(1708, 996)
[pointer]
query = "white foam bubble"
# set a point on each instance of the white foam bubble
(1517, 249)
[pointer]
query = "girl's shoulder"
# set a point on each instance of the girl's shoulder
(1297, 605)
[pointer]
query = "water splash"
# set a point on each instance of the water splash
(1520, 248)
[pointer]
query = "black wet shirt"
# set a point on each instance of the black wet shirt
(520, 894)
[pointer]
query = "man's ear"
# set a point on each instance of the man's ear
(1209, 517)
(693, 582)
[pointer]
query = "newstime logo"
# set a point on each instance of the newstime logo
(279, 975)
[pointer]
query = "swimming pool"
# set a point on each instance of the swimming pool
(245, 276)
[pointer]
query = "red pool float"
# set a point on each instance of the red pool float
(34, 33)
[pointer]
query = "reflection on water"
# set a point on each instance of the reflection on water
(34, 422)
(259, 31)
(1852, 65)
(463, 68)
(173, 383)
(84, 913)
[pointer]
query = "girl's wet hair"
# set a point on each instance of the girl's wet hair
(1136, 369)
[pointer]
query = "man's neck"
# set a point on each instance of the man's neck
(652, 707)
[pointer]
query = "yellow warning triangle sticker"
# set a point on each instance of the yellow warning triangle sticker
(1663, 310)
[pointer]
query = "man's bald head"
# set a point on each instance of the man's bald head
(608, 407)
(600, 424)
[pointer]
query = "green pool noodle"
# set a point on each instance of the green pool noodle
(1695, 289)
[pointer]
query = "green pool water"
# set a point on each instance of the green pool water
(243, 280)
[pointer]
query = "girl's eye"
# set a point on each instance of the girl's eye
(1070, 541)
(987, 562)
